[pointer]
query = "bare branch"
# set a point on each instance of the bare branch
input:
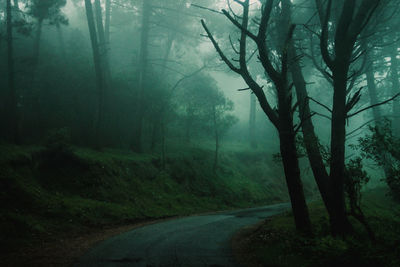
(232, 45)
(237, 24)
(372, 106)
(353, 100)
(319, 103)
(296, 130)
(216, 46)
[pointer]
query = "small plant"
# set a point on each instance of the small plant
(355, 179)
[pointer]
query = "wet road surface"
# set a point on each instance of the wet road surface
(192, 241)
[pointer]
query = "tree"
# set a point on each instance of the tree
(338, 40)
(136, 142)
(282, 117)
(13, 118)
(98, 71)
(219, 108)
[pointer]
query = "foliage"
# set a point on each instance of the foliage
(355, 179)
(383, 147)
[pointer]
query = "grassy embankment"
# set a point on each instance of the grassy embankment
(275, 242)
(49, 193)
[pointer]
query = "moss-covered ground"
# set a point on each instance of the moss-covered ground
(276, 243)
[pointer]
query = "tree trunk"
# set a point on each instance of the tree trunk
(394, 68)
(159, 117)
(12, 101)
(376, 112)
(107, 22)
(136, 143)
(98, 71)
(288, 149)
(340, 224)
(310, 139)
(216, 133)
(252, 121)
(163, 133)
(61, 41)
(103, 45)
(292, 174)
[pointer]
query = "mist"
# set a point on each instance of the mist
(121, 111)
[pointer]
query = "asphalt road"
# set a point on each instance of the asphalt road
(192, 241)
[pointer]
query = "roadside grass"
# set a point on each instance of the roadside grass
(276, 243)
(48, 193)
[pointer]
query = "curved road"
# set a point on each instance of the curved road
(192, 241)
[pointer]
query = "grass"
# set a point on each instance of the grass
(276, 243)
(47, 193)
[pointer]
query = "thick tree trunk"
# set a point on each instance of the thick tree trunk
(292, 175)
(98, 72)
(340, 224)
(287, 138)
(252, 121)
(12, 94)
(310, 139)
(136, 143)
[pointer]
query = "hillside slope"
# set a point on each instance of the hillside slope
(51, 192)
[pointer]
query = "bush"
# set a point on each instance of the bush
(384, 148)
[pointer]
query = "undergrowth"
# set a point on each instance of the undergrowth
(276, 242)
(48, 192)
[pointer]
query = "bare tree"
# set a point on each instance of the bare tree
(282, 117)
(337, 44)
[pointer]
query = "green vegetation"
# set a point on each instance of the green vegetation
(57, 190)
(276, 242)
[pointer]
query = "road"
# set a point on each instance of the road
(191, 241)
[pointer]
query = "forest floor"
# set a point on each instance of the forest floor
(274, 242)
(61, 200)
(66, 250)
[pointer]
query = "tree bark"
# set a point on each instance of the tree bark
(340, 224)
(311, 142)
(290, 161)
